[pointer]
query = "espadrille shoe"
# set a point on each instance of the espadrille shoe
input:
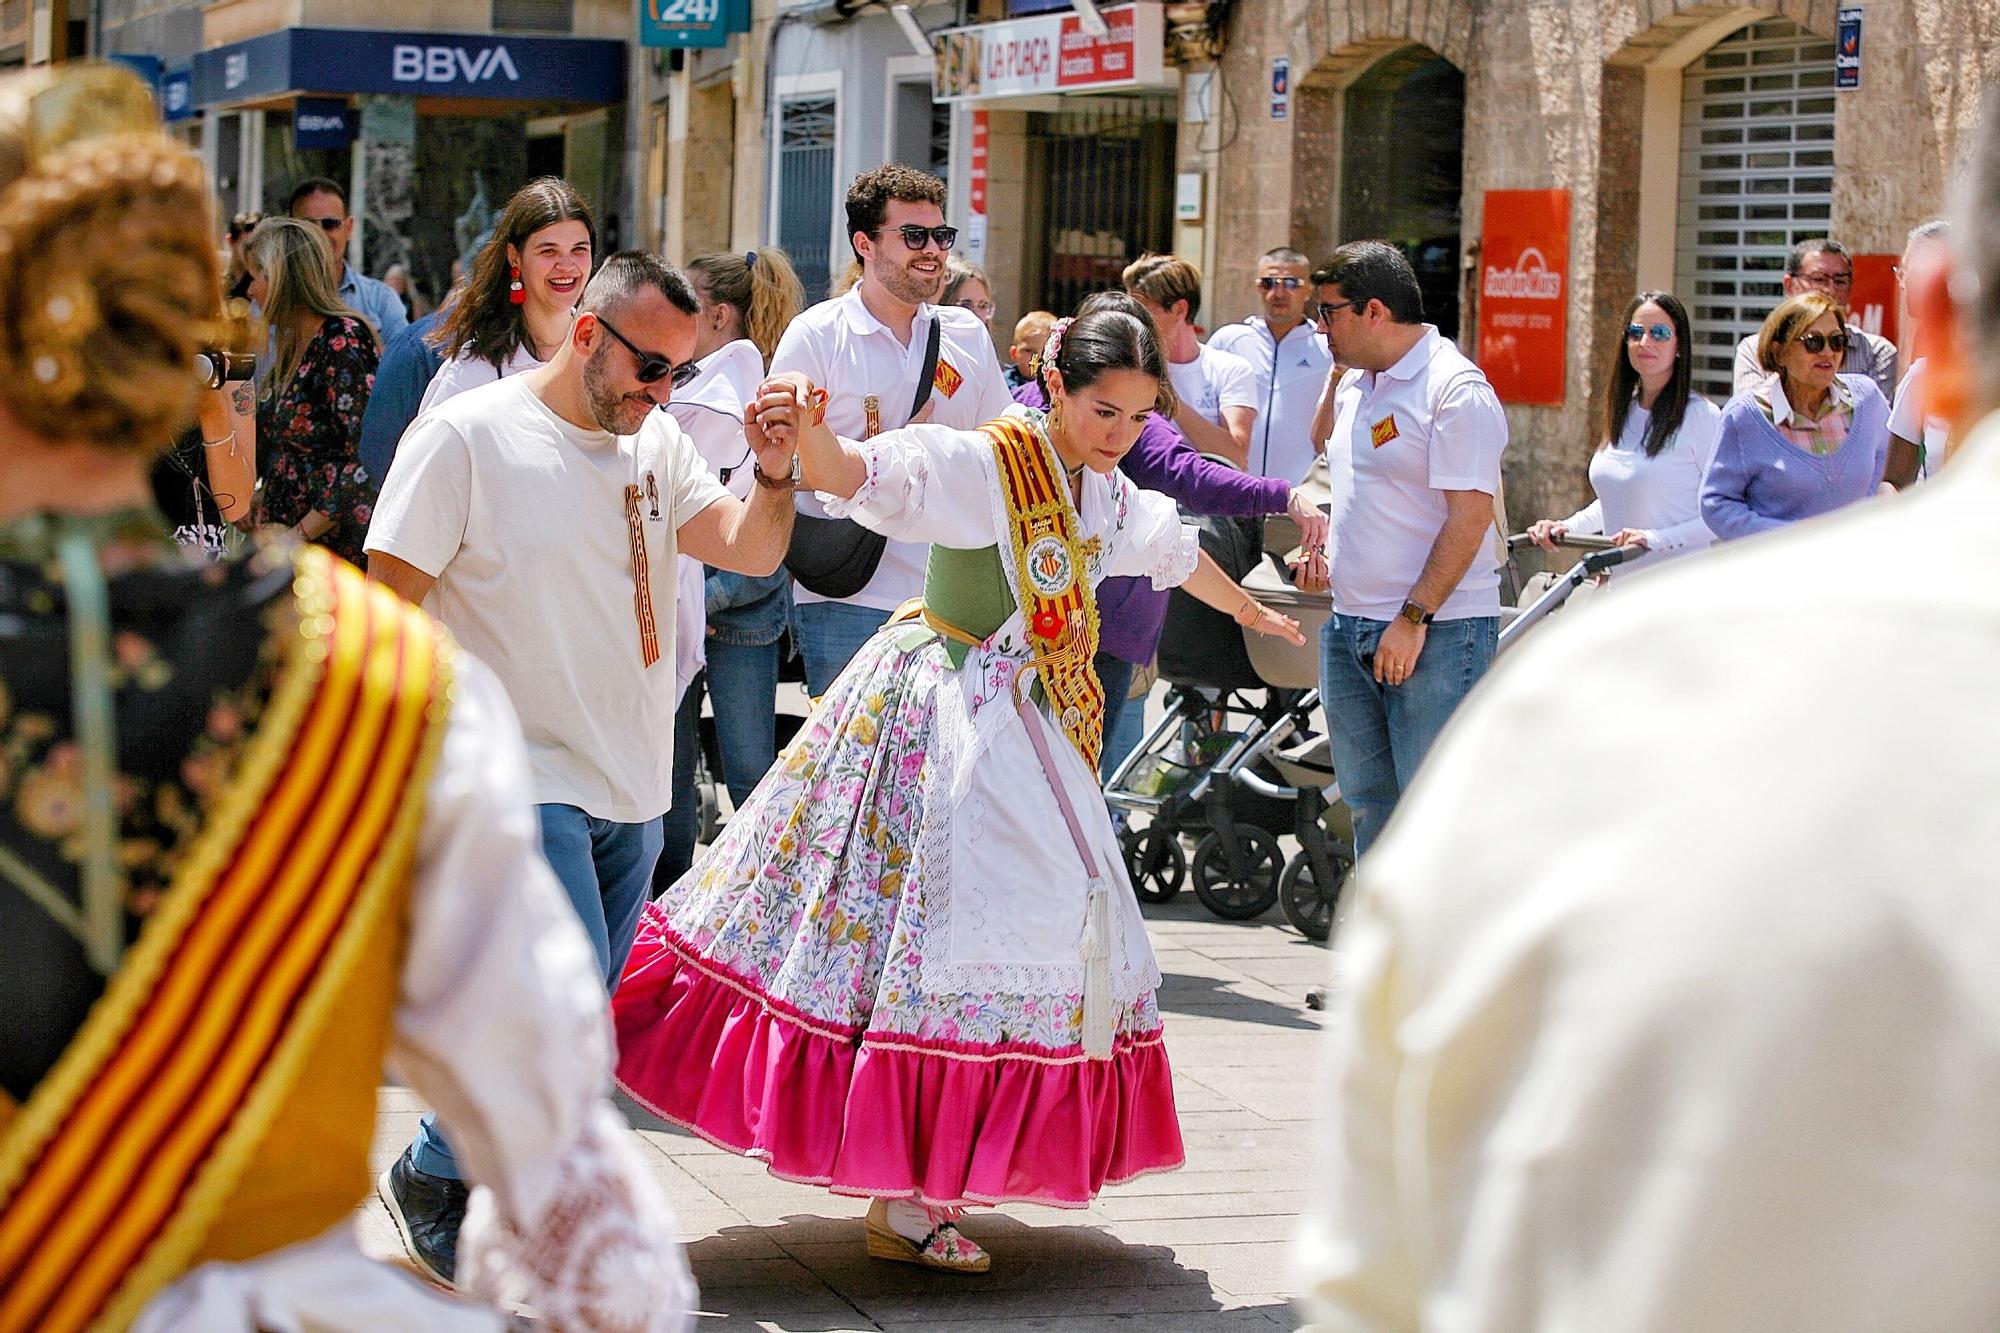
(944, 1248)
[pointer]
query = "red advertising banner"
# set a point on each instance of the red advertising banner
(981, 131)
(1873, 302)
(1524, 294)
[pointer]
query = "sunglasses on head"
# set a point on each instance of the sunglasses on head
(1272, 284)
(914, 236)
(1659, 333)
(1819, 342)
(652, 369)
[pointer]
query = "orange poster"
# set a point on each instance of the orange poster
(1524, 294)
(1874, 303)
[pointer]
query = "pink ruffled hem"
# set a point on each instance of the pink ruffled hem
(881, 1114)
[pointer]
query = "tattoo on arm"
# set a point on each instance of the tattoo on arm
(239, 398)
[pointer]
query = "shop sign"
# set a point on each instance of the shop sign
(322, 122)
(975, 230)
(423, 64)
(177, 95)
(1029, 57)
(1524, 294)
(1847, 47)
(1281, 87)
(705, 23)
(1873, 300)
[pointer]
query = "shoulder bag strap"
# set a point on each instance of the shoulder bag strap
(930, 366)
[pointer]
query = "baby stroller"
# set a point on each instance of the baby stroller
(1211, 770)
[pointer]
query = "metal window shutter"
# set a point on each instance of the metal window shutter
(1756, 177)
(805, 190)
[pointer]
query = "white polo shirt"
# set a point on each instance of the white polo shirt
(1428, 424)
(1214, 380)
(520, 517)
(1290, 377)
(844, 349)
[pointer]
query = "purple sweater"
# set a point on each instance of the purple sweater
(1759, 480)
(1131, 610)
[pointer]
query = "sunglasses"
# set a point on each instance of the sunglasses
(1659, 333)
(653, 368)
(914, 236)
(1819, 342)
(327, 224)
(1272, 284)
(1326, 309)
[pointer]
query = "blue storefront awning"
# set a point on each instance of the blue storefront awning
(417, 64)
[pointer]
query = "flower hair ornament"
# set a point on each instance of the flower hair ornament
(1052, 349)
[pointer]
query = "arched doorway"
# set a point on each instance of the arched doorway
(1402, 168)
(1755, 178)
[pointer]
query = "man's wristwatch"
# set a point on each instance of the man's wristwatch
(789, 482)
(1416, 613)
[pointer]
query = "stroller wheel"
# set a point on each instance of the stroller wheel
(1155, 861)
(1308, 906)
(1235, 899)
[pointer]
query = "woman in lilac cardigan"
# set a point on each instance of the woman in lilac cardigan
(1131, 612)
(1807, 440)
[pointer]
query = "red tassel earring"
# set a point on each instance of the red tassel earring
(515, 293)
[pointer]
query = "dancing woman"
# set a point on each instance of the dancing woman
(912, 969)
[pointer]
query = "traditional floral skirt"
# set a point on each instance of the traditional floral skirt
(773, 1001)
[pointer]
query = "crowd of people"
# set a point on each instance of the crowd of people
(909, 968)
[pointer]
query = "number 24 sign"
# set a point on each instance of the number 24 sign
(691, 22)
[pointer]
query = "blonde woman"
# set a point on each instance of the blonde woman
(309, 415)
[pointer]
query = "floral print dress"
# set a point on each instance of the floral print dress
(874, 979)
(309, 437)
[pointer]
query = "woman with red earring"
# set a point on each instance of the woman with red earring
(515, 309)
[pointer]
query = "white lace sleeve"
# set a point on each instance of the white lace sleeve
(925, 484)
(593, 1260)
(1148, 538)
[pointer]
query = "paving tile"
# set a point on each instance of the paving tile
(1265, 1203)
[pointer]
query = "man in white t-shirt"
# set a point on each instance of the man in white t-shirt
(867, 348)
(1414, 462)
(1917, 439)
(1291, 362)
(526, 516)
(1217, 390)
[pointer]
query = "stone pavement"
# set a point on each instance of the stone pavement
(1196, 1249)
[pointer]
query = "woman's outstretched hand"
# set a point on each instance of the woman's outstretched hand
(1261, 619)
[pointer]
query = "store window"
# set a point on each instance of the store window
(1756, 178)
(1100, 194)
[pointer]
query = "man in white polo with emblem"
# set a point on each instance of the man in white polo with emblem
(1291, 362)
(1414, 461)
(869, 350)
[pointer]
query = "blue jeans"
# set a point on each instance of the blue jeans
(830, 634)
(1124, 724)
(742, 683)
(604, 867)
(1380, 733)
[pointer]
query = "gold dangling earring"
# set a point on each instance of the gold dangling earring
(1055, 417)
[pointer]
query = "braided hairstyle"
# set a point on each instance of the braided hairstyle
(109, 278)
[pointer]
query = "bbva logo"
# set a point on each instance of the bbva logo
(1530, 279)
(451, 64)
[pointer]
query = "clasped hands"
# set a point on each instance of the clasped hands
(783, 405)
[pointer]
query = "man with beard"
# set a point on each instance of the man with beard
(886, 356)
(526, 516)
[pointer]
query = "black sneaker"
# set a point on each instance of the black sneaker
(427, 1210)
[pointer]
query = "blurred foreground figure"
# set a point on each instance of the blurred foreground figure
(261, 827)
(1710, 1041)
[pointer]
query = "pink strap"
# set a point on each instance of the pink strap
(1035, 738)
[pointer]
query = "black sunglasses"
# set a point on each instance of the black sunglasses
(1819, 342)
(328, 224)
(653, 368)
(915, 236)
(1326, 309)
(1289, 284)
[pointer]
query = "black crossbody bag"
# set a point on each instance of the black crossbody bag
(835, 557)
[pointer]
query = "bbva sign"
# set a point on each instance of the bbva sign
(451, 64)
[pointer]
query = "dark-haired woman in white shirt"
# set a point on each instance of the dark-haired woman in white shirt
(1659, 436)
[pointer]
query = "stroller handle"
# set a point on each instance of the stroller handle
(1580, 541)
(1599, 561)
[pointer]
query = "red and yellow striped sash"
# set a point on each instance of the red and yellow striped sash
(1052, 579)
(115, 1169)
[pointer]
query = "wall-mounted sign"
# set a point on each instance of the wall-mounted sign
(691, 22)
(323, 122)
(1030, 57)
(1524, 294)
(1187, 196)
(1847, 47)
(1281, 87)
(177, 94)
(975, 231)
(1873, 301)
(420, 64)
